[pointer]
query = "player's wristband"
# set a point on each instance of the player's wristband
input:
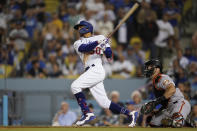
(108, 52)
(160, 100)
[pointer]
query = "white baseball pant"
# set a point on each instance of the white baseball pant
(93, 79)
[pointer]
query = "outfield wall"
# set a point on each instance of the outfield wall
(36, 101)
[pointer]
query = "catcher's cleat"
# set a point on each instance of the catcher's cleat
(133, 115)
(85, 119)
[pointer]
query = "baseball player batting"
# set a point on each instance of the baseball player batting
(90, 49)
(174, 108)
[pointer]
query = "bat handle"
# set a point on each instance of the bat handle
(107, 40)
(109, 35)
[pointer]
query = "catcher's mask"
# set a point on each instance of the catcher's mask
(150, 67)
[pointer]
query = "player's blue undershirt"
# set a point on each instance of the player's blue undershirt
(87, 47)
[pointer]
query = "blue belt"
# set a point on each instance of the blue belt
(87, 68)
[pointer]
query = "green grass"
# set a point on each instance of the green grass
(92, 129)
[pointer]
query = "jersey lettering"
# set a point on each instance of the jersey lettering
(98, 50)
(94, 56)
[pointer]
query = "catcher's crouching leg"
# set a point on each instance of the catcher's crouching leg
(156, 120)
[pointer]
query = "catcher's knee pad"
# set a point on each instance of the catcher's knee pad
(177, 120)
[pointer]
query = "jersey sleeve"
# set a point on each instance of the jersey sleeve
(76, 45)
(165, 81)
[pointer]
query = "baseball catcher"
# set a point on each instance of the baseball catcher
(174, 107)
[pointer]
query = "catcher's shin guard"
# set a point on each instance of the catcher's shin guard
(177, 120)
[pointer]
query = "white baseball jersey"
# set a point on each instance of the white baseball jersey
(94, 76)
(94, 57)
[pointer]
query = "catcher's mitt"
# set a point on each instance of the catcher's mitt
(148, 107)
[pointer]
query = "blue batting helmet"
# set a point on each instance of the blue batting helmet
(87, 27)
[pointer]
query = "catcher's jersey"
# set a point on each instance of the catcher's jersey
(161, 82)
(93, 57)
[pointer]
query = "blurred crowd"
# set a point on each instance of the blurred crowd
(36, 43)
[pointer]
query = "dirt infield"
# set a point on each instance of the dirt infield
(31, 128)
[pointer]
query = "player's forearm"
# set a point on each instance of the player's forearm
(87, 47)
(169, 91)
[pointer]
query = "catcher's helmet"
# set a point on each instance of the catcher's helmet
(87, 27)
(153, 64)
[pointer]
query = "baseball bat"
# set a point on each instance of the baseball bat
(129, 13)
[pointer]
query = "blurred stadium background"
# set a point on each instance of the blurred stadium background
(38, 62)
